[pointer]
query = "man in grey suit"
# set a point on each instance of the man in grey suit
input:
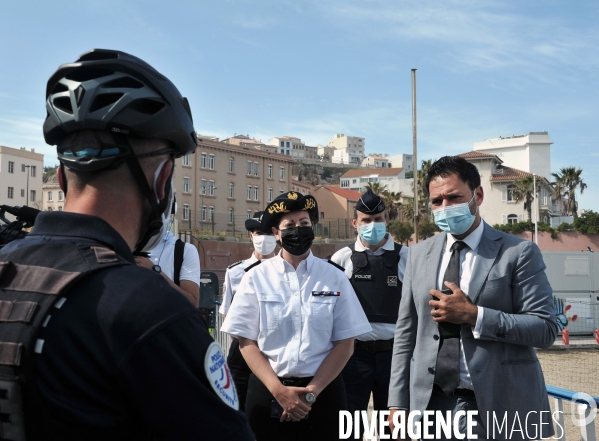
(470, 347)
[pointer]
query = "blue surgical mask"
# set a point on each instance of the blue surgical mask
(455, 219)
(373, 232)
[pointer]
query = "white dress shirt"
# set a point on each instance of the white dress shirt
(380, 331)
(283, 309)
(233, 277)
(164, 255)
(467, 260)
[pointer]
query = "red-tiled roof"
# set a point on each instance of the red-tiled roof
(477, 155)
(351, 195)
(509, 174)
(394, 171)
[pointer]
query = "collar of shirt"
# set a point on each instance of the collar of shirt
(472, 240)
(75, 225)
(387, 246)
(283, 266)
(249, 261)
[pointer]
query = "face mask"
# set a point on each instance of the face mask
(455, 219)
(264, 244)
(166, 216)
(297, 240)
(373, 232)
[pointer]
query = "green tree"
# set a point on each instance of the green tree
(49, 174)
(427, 229)
(567, 182)
(392, 201)
(524, 191)
(587, 223)
(401, 231)
(376, 187)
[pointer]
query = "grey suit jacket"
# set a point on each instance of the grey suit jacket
(509, 281)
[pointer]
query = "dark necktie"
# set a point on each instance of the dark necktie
(447, 374)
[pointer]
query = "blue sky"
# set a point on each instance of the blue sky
(315, 68)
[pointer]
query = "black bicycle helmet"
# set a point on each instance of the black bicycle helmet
(115, 92)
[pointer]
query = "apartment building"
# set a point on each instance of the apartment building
(335, 202)
(405, 161)
(21, 173)
(289, 145)
(376, 161)
(348, 149)
(226, 183)
(497, 180)
(246, 141)
(301, 186)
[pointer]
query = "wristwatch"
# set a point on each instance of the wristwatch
(310, 398)
(157, 269)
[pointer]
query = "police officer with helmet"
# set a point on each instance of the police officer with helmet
(106, 349)
(264, 246)
(375, 265)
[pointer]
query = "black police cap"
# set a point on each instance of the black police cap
(370, 203)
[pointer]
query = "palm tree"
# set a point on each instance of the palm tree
(376, 187)
(524, 191)
(392, 202)
(569, 181)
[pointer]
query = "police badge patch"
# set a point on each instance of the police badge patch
(219, 376)
(391, 280)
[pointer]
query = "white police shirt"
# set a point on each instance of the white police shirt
(233, 276)
(295, 315)
(380, 331)
(164, 255)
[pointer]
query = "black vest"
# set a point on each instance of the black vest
(377, 284)
(32, 279)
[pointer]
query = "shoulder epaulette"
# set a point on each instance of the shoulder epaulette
(234, 264)
(253, 265)
(336, 265)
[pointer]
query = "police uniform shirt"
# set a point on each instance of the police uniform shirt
(295, 315)
(164, 255)
(380, 331)
(233, 277)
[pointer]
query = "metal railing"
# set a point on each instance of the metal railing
(585, 409)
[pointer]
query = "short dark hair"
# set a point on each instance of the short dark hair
(450, 165)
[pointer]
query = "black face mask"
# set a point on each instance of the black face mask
(297, 240)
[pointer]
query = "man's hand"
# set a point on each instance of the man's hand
(402, 416)
(454, 308)
(144, 262)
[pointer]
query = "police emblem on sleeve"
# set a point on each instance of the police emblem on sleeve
(219, 376)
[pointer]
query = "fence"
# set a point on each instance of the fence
(222, 225)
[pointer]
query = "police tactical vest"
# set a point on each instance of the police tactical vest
(32, 279)
(377, 284)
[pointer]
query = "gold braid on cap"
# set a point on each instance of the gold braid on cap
(310, 203)
(292, 195)
(278, 208)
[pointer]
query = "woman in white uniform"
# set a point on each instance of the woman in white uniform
(296, 317)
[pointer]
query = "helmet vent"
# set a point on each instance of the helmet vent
(124, 82)
(88, 73)
(107, 99)
(99, 55)
(63, 103)
(147, 106)
(58, 88)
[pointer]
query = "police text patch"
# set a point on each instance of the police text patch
(219, 376)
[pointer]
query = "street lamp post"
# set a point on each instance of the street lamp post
(27, 194)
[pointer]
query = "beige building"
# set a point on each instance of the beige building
(224, 184)
(290, 146)
(301, 186)
(335, 202)
(393, 179)
(246, 141)
(52, 196)
(497, 180)
(21, 173)
(348, 149)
